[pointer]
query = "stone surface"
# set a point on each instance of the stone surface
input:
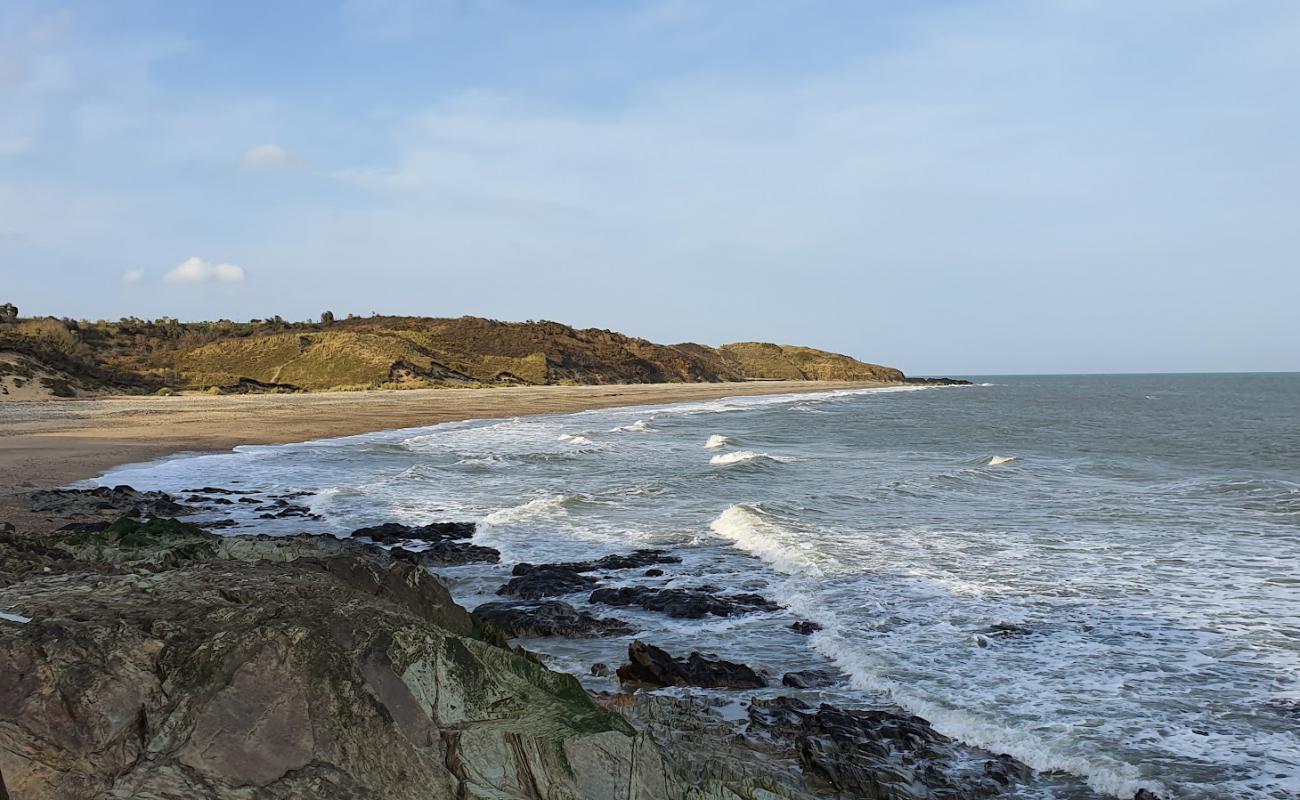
(546, 581)
(684, 603)
(650, 666)
(637, 558)
(810, 679)
(549, 618)
(164, 662)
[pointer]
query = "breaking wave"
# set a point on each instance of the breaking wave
(718, 440)
(745, 456)
(758, 533)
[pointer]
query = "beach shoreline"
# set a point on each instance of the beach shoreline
(54, 443)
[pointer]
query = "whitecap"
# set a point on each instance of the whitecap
(758, 533)
(718, 440)
(744, 456)
(574, 438)
(998, 460)
(541, 506)
(640, 426)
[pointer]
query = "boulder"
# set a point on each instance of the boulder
(549, 618)
(650, 666)
(637, 558)
(546, 581)
(810, 679)
(684, 603)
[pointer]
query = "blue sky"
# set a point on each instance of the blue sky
(949, 187)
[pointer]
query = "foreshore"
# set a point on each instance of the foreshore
(54, 443)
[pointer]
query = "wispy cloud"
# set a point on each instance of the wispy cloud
(133, 276)
(268, 157)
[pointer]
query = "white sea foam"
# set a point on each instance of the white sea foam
(997, 460)
(574, 438)
(718, 440)
(743, 456)
(755, 532)
(551, 505)
(1044, 754)
(640, 426)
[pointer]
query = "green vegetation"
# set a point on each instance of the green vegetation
(356, 353)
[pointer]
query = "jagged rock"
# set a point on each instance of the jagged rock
(247, 671)
(600, 669)
(393, 532)
(215, 490)
(546, 581)
(810, 679)
(653, 573)
(448, 554)
(116, 501)
(637, 558)
(549, 618)
(805, 627)
(878, 753)
(651, 666)
(684, 603)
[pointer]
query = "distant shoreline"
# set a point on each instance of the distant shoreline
(53, 443)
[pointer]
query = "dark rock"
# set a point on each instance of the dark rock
(549, 618)
(938, 381)
(600, 669)
(546, 582)
(393, 532)
(683, 603)
(94, 502)
(85, 527)
(221, 523)
(215, 490)
(878, 753)
(252, 500)
(653, 573)
(1143, 794)
(650, 666)
(447, 554)
(805, 627)
(810, 679)
(637, 558)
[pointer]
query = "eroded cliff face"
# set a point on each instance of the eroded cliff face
(181, 664)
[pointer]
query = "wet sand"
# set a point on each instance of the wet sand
(57, 442)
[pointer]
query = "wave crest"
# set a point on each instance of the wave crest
(757, 533)
(718, 440)
(997, 460)
(744, 456)
(555, 504)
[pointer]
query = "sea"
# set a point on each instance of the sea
(1097, 575)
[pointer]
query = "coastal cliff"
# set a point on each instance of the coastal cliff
(70, 358)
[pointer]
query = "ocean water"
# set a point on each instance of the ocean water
(1097, 575)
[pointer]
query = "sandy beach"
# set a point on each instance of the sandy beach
(52, 443)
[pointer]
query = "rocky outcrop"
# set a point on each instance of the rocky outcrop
(650, 666)
(684, 603)
(549, 618)
(103, 501)
(635, 559)
(159, 661)
(878, 753)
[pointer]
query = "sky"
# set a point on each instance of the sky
(980, 187)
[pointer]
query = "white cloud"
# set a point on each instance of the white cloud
(268, 156)
(133, 276)
(196, 270)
